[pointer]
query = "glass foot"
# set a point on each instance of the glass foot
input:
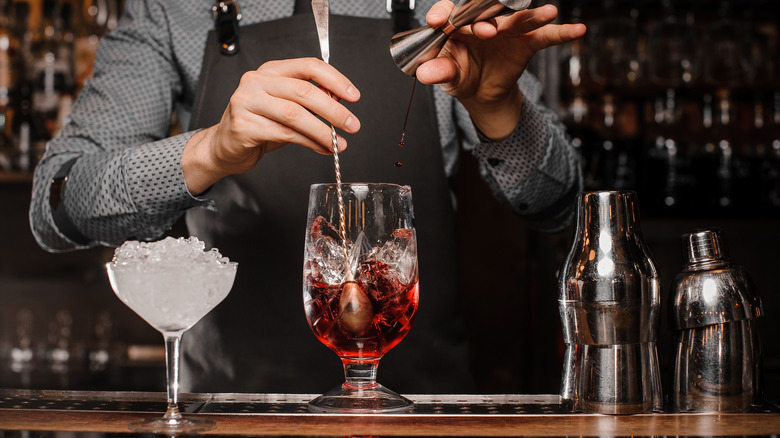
(169, 425)
(354, 400)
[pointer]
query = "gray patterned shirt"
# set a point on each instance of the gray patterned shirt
(127, 179)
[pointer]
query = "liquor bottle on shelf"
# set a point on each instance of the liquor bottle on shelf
(97, 17)
(9, 48)
(751, 150)
(575, 103)
(724, 194)
(30, 135)
(770, 168)
(663, 180)
(613, 163)
(94, 16)
(20, 27)
(614, 62)
(51, 71)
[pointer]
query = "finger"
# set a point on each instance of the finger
(310, 97)
(439, 13)
(280, 134)
(436, 71)
(485, 29)
(554, 34)
(313, 69)
(259, 116)
(297, 124)
(527, 20)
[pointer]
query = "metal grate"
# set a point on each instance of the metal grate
(82, 401)
(280, 404)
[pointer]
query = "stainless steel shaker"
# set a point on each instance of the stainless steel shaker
(609, 300)
(714, 313)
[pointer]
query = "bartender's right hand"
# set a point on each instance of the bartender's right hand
(272, 106)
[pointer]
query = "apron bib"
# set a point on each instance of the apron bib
(257, 340)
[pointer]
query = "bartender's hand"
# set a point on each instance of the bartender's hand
(481, 63)
(272, 106)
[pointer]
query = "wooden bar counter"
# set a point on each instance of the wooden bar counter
(434, 415)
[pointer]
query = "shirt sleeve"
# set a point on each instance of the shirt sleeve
(126, 180)
(536, 171)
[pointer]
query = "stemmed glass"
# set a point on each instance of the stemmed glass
(360, 286)
(171, 284)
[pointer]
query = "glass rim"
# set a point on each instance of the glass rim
(352, 184)
(142, 265)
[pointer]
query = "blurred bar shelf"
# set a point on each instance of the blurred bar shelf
(434, 415)
(15, 177)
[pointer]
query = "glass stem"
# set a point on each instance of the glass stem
(172, 340)
(360, 374)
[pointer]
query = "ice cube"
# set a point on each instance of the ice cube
(326, 260)
(320, 227)
(399, 253)
(379, 281)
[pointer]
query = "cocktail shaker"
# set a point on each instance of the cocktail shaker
(714, 313)
(412, 48)
(609, 300)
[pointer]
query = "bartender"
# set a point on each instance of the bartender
(253, 101)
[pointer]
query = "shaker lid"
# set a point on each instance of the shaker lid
(703, 245)
(711, 290)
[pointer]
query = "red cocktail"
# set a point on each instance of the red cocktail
(360, 287)
(392, 309)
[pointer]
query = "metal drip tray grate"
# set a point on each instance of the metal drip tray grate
(271, 404)
(424, 405)
(90, 401)
(281, 404)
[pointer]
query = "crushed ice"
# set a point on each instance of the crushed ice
(168, 252)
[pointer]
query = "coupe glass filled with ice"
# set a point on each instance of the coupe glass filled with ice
(171, 284)
(360, 286)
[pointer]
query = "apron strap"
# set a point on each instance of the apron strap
(226, 16)
(403, 14)
(302, 7)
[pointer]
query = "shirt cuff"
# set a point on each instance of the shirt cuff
(155, 179)
(518, 155)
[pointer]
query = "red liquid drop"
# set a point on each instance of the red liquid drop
(406, 118)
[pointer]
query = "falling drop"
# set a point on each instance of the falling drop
(402, 143)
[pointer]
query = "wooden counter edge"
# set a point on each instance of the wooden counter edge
(414, 425)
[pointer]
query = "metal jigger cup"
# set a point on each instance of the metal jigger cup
(412, 48)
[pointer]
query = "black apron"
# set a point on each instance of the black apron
(258, 339)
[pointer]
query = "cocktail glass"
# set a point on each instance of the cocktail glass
(171, 291)
(360, 287)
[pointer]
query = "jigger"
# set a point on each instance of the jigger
(412, 48)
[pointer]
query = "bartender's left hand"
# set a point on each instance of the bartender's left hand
(481, 63)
